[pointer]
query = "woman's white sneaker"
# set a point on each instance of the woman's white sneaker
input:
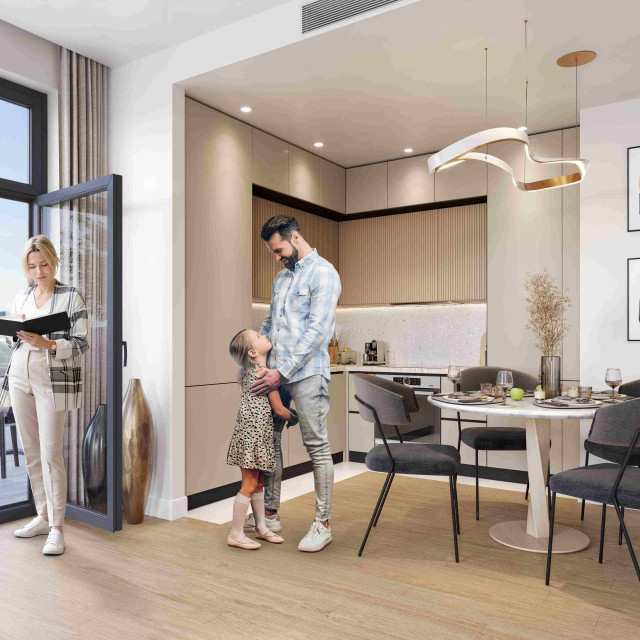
(37, 527)
(317, 539)
(54, 546)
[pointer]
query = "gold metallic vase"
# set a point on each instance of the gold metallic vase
(137, 452)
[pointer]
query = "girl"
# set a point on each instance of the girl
(251, 446)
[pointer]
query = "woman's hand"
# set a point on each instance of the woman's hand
(35, 340)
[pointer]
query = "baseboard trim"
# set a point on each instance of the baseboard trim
(228, 490)
(167, 509)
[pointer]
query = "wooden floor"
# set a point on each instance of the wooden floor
(180, 580)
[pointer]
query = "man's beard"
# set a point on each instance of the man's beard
(290, 261)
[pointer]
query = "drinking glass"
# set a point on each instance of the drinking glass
(505, 381)
(455, 375)
(486, 388)
(613, 378)
(585, 392)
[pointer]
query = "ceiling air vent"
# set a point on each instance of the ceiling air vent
(321, 13)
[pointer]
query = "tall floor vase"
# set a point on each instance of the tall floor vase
(94, 460)
(551, 376)
(137, 452)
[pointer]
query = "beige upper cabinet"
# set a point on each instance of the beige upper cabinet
(218, 241)
(464, 180)
(367, 188)
(316, 180)
(270, 162)
(409, 182)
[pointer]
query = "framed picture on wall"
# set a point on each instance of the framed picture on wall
(633, 189)
(633, 299)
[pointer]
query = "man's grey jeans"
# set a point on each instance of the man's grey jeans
(311, 397)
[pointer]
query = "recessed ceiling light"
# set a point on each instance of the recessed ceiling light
(318, 144)
(246, 109)
(408, 150)
(522, 128)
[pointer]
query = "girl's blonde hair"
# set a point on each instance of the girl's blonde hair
(45, 247)
(239, 349)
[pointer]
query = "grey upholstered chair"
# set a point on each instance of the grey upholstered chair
(631, 388)
(388, 403)
(614, 434)
(491, 438)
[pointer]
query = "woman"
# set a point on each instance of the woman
(43, 382)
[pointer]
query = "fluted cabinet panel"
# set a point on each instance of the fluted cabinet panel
(424, 256)
(320, 233)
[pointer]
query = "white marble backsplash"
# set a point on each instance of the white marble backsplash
(415, 335)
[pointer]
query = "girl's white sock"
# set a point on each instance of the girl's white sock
(257, 506)
(240, 508)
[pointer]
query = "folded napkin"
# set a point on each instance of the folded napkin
(553, 403)
(471, 400)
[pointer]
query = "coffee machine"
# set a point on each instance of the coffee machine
(374, 353)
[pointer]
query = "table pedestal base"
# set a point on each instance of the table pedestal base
(514, 534)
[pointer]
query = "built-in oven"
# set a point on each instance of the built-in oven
(425, 423)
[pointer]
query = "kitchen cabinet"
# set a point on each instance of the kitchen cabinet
(409, 182)
(316, 180)
(270, 162)
(367, 188)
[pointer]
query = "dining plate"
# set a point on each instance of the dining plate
(567, 404)
(470, 400)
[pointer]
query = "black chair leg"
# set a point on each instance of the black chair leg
(375, 512)
(3, 450)
(453, 518)
(384, 498)
(626, 537)
(477, 490)
(550, 547)
(455, 495)
(620, 531)
(14, 444)
(586, 464)
(602, 529)
(459, 432)
(526, 491)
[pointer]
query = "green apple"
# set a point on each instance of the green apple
(539, 387)
(516, 394)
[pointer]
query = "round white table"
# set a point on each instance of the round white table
(531, 534)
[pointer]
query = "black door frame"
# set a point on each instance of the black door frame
(111, 185)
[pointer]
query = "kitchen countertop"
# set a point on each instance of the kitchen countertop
(358, 368)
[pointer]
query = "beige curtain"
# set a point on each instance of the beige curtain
(82, 228)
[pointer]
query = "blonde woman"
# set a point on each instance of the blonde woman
(43, 382)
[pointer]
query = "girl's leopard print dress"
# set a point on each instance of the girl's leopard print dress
(251, 444)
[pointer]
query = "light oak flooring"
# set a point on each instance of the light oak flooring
(180, 580)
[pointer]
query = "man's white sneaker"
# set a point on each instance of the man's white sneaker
(37, 527)
(54, 546)
(273, 523)
(317, 539)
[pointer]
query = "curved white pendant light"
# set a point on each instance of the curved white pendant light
(466, 149)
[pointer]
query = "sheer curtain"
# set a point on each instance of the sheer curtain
(81, 229)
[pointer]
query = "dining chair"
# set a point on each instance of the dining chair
(631, 388)
(491, 438)
(387, 403)
(613, 436)
(7, 419)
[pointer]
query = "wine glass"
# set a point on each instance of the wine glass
(613, 378)
(455, 375)
(505, 381)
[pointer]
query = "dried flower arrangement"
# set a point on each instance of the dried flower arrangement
(546, 306)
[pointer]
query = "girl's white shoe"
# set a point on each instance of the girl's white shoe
(54, 546)
(270, 536)
(242, 542)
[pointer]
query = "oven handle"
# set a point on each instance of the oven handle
(423, 391)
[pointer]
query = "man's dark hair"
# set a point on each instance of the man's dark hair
(284, 225)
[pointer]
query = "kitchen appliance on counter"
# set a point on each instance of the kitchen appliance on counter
(374, 353)
(425, 423)
(346, 356)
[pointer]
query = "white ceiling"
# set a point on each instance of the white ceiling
(415, 77)
(115, 32)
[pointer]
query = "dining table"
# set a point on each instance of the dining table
(531, 534)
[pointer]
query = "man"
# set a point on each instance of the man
(300, 323)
